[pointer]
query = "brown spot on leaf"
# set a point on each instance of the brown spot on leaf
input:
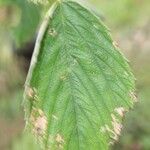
(60, 141)
(117, 126)
(115, 44)
(59, 138)
(120, 110)
(40, 125)
(31, 93)
(52, 32)
(39, 122)
(133, 96)
(41, 113)
(113, 131)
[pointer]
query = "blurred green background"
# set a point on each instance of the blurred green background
(129, 21)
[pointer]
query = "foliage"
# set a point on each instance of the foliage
(26, 25)
(79, 85)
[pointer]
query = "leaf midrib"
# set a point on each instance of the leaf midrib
(69, 77)
(71, 81)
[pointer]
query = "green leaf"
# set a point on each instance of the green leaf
(30, 18)
(79, 85)
(27, 16)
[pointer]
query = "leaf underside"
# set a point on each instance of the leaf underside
(80, 86)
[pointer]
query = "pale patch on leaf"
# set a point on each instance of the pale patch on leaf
(39, 122)
(114, 131)
(121, 111)
(59, 138)
(117, 126)
(52, 32)
(55, 117)
(133, 97)
(115, 44)
(60, 141)
(31, 93)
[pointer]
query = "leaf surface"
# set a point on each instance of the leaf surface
(79, 85)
